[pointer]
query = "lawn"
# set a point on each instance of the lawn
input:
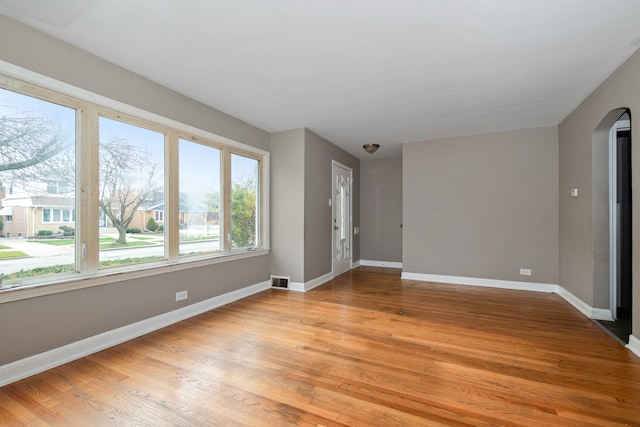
(190, 238)
(105, 242)
(68, 268)
(54, 242)
(4, 247)
(12, 254)
(110, 242)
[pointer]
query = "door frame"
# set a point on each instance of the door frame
(350, 218)
(614, 264)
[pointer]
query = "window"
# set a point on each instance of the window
(244, 201)
(199, 210)
(131, 177)
(58, 187)
(204, 197)
(58, 215)
(37, 147)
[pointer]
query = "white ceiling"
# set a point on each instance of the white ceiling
(360, 71)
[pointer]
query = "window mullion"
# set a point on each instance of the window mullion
(87, 184)
(172, 196)
(225, 209)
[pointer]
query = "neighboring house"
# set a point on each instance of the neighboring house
(25, 214)
(192, 214)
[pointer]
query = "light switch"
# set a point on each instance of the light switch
(574, 192)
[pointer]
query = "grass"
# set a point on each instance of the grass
(110, 243)
(12, 254)
(189, 238)
(105, 242)
(68, 268)
(54, 242)
(4, 247)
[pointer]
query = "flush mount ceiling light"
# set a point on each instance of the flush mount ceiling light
(371, 148)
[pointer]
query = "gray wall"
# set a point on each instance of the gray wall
(581, 218)
(317, 216)
(381, 209)
(301, 228)
(483, 206)
(287, 204)
(47, 322)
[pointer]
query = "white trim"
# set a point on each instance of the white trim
(491, 283)
(577, 303)
(35, 364)
(314, 283)
(318, 281)
(355, 264)
(584, 308)
(296, 286)
(614, 214)
(634, 345)
(388, 264)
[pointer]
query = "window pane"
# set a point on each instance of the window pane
(37, 147)
(199, 211)
(244, 201)
(131, 188)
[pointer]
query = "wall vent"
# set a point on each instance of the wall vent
(280, 282)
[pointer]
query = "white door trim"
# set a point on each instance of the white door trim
(614, 214)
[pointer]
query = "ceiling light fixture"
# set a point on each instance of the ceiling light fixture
(371, 148)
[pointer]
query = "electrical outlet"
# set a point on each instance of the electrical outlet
(182, 295)
(525, 272)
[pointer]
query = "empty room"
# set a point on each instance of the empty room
(319, 213)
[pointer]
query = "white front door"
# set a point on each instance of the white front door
(341, 218)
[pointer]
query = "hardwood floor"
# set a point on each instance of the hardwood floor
(366, 349)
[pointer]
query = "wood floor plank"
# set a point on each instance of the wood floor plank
(366, 348)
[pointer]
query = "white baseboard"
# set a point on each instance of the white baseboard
(355, 264)
(307, 286)
(296, 286)
(490, 283)
(584, 308)
(35, 364)
(388, 264)
(317, 281)
(634, 345)
(587, 310)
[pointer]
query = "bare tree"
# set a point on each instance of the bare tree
(34, 149)
(128, 178)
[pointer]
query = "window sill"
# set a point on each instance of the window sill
(112, 276)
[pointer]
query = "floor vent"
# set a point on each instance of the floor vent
(280, 282)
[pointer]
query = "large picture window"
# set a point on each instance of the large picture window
(151, 193)
(131, 187)
(37, 147)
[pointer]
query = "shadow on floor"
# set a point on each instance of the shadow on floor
(621, 328)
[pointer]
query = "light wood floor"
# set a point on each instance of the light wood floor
(366, 349)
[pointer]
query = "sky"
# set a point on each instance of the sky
(199, 164)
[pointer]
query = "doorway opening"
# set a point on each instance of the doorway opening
(620, 229)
